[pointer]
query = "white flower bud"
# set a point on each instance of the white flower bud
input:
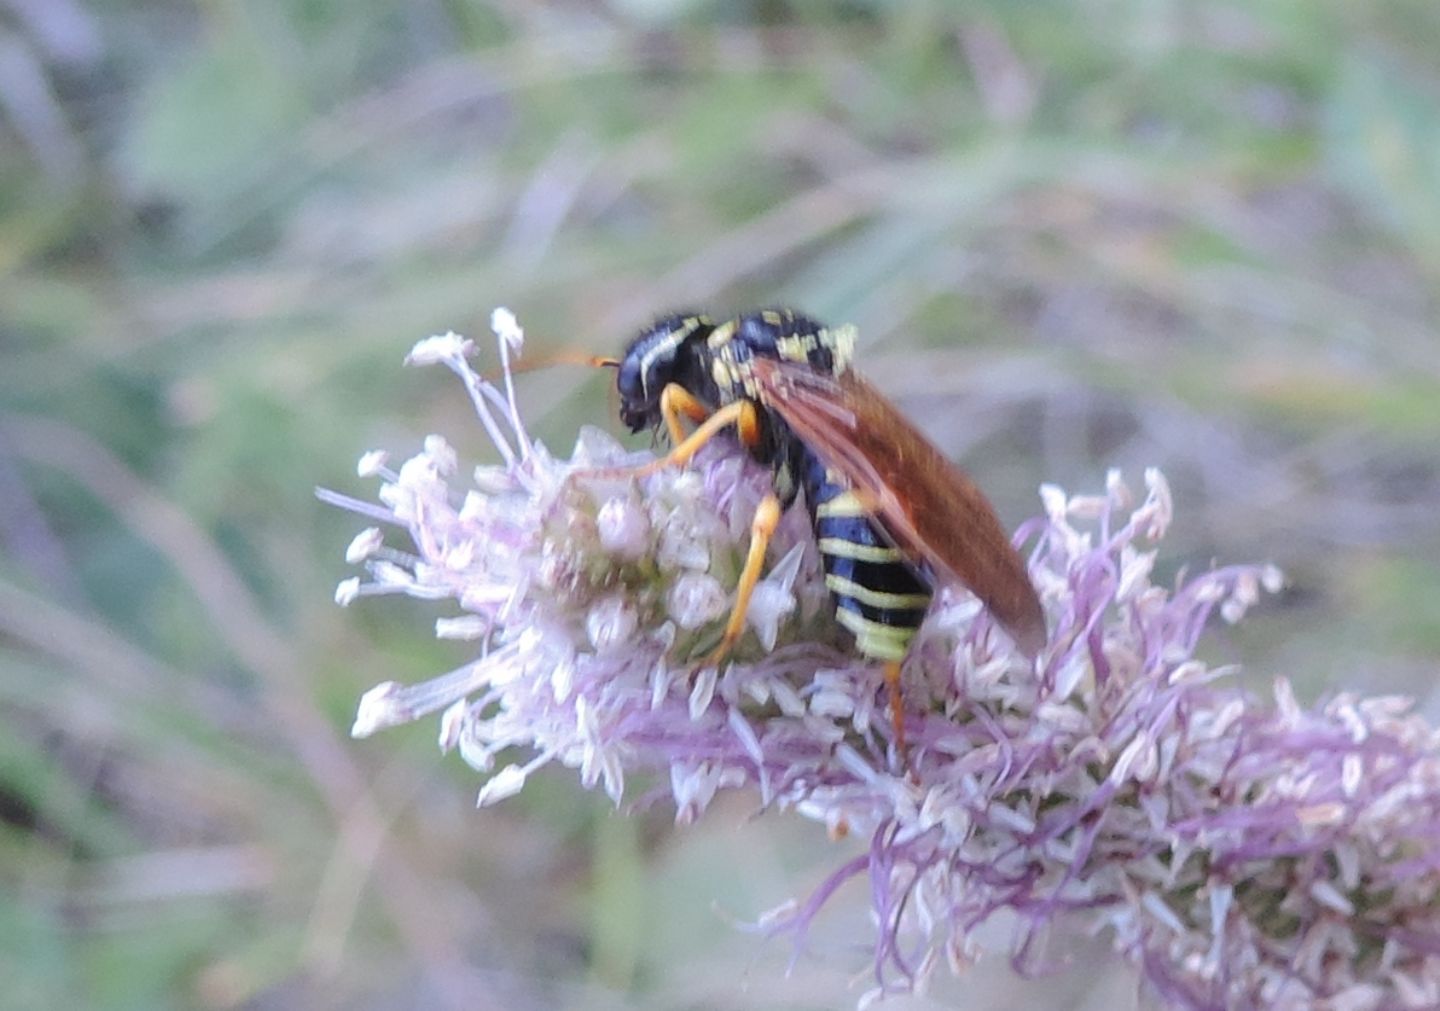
(446, 347)
(506, 783)
(371, 463)
(623, 526)
(365, 544)
(696, 599)
(610, 623)
(507, 328)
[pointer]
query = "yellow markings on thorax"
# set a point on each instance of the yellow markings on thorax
(841, 342)
(724, 377)
(721, 335)
(732, 377)
(797, 347)
(730, 368)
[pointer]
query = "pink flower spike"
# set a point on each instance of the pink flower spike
(1238, 851)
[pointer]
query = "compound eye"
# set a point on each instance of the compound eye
(628, 383)
(634, 410)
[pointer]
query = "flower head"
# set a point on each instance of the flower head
(1240, 853)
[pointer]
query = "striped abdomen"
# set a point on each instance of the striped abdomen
(878, 596)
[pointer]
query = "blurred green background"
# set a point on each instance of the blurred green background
(1203, 236)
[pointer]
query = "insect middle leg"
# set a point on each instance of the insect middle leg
(675, 402)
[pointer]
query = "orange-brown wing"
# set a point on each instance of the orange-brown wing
(923, 502)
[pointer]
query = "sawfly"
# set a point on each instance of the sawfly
(894, 520)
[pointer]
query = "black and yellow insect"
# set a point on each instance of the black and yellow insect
(893, 518)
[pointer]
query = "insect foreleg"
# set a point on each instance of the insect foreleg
(743, 414)
(675, 401)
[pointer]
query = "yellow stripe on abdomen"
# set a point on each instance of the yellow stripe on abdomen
(841, 548)
(842, 587)
(844, 504)
(874, 640)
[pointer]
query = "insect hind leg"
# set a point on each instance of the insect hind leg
(897, 716)
(677, 402)
(762, 529)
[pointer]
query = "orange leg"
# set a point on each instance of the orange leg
(743, 414)
(897, 714)
(687, 447)
(762, 528)
(676, 400)
(746, 418)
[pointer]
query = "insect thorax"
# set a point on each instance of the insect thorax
(781, 334)
(715, 364)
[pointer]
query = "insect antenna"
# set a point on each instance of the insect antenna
(553, 358)
(565, 357)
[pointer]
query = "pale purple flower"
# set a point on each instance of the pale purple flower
(1239, 852)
